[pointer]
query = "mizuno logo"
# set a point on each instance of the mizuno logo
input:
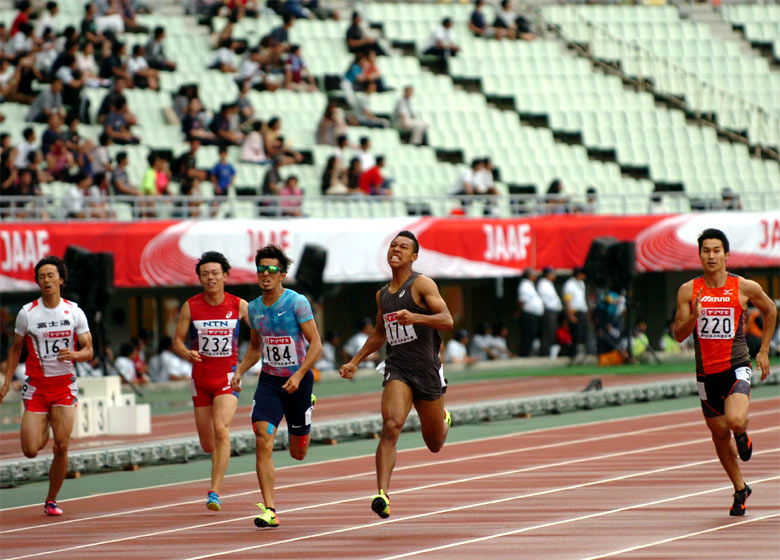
(716, 299)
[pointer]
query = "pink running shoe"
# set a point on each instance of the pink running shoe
(51, 508)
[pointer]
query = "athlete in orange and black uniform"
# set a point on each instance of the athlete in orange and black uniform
(713, 307)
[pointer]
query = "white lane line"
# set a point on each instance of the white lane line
(561, 522)
(680, 537)
(449, 510)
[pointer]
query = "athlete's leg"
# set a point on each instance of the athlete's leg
(224, 408)
(62, 419)
(34, 433)
(204, 422)
(299, 446)
(726, 449)
(264, 464)
(396, 404)
(736, 408)
(432, 422)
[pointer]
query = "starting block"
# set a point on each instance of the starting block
(104, 409)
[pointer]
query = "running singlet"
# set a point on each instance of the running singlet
(408, 346)
(46, 332)
(719, 336)
(279, 326)
(214, 334)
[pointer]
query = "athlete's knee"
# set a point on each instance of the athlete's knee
(265, 446)
(737, 423)
(435, 446)
(298, 454)
(391, 428)
(221, 432)
(30, 452)
(60, 448)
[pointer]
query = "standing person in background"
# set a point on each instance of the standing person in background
(575, 299)
(282, 326)
(212, 319)
(713, 307)
(552, 309)
(50, 326)
(531, 311)
(411, 312)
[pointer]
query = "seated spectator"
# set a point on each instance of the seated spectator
(354, 79)
(111, 99)
(640, 343)
(48, 102)
(85, 63)
(89, 28)
(224, 125)
(156, 178)
(120, 183)
(194, 124)
(367, 159)
(475, 181)
(296, 74)
(333, 178)
(668, 342)
(74, 202)
(246, 111)
(479, 27)
(222, 176)
(498, 342)
(25, 147)
(359, 40)
(243, 8)
(155, 52)
(371, 72)
(189, 176)
(40, 176)
(45, 53)
(59, 160)
(117, 123)
(293, 195)
(373, 183)
(47, 19)
(10, 77)
(455, 351)
(125, 9)
(253, 146)
(113, 66)
(361, 111)
(555, 201)
(275, 145)
(72, 85)
(26, 11)
(356, 341)
(281, 34)
(97, 198)
(224, 59)
(730, 200)
(591, 205)
(516, 26)
(354, 172)
(657, 204)
(441, 43)
(125, 364)
(406, 120)
(328, 357)
(166, 365)
(272, 187)
(22, 43)
(332, 125)
(143, 76)
(481, 346)
(101, 158)
(51, 133)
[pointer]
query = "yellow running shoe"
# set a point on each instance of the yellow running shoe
(380, 504)
(267, 517)
(313, 399)
(447, 417)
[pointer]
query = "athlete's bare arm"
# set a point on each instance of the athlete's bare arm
(181, 332)
(12, 362)
(309, 330)
(426, 294)
(375, 341)
(83, 355)
(243, 312)
(687, 312)
(251, 357)
(752, 290)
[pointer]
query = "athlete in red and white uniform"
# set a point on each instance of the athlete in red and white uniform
(713, 308)
(52, 328)
(212, 320)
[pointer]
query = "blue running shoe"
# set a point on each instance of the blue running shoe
(213, 502)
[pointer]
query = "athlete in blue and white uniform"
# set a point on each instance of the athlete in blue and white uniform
(282, 325)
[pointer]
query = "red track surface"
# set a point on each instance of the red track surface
(647, 487)
(178, 425)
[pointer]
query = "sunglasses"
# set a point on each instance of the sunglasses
(272, 269)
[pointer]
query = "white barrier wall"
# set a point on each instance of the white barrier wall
(103, 409)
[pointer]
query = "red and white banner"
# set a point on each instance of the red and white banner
(164, 253)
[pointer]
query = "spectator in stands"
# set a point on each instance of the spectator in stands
(75, 205)
(166, 365)
(498, 342)
(576, 302)
(120, 182)
(25, 147)
(361, 111)
(354, 79)
(155, 51)
(331, 125)
(225, 58)
(281, 34)
(185, 170)
(89, 28)
(479, 27)
(373, 183)
(40, 176)
(555, 201)
(333, 178)
(111, 98)
(125, 9)
(117, 123)
(367, 160)
(563, 340)
(328, 357)
(552, 309)
(113, 67)
(515, 26)
(531, 311)
(657, 204)
(356, 341)
(243, 8)
(48, 102)
(101, 159)
(292, 203)
(371, 72)
(51, 133)
(98, 195)
(466, 184)
(406, 120)
(223, 174)
(225, 125)
(353, 177)
(48, 19)
(143, 76)
(610, 340)
(297, 76)
(730, 200)
(591, 205)
(455, 351)
(275, 145)
(85, 63)
(639, 341)
(481, 347)
(272, 187)
(9, 81)
(125, 364)
(194, 124)
(26, 11)
(441, 43)
(253, 146)
(359, 40)
(156, 178)
(59, 160)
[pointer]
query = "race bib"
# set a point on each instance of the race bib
(215, 343)
(279, 351)
(396, 332)
(52, 342)
(716, 323)
(27, 391)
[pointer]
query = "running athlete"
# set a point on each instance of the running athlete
(411, 314)
(212, 319)
(713, 307)
(50, 326)
(282, 325)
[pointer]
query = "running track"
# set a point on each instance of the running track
(647, 487)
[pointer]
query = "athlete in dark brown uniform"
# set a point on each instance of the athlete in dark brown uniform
(713, 308)
(411, 312)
